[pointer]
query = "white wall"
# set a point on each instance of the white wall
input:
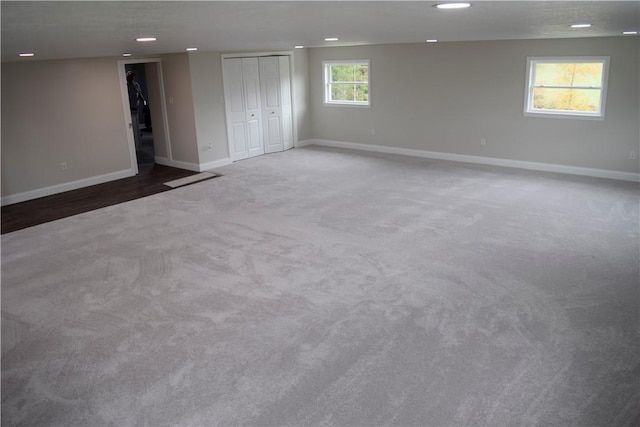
(180, 108)
(444, 97)
(436, 97)
(207, 89)
(72, 111)
(300, 83)
(61, 111)
(209, 108)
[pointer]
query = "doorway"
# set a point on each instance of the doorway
(146, 118)
(142, 125)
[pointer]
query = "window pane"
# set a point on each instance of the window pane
(349, 92)
(569, 74)
(361, 93)
(347, 82)
(341, 73)
(584, 100)
(340, 93)
(349, 73)
(362, 73)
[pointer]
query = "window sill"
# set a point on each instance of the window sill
(562, 116)
(339, 104)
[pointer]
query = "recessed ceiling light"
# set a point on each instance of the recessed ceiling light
(26, 55)
(585, 25)
(299, 46)
(192, 49)
(432, 41)
(453, 5)
(126, 54)
(331, 39)
(146, 39)
(630, 33)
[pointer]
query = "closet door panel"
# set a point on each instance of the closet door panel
(235, 107)
(258, 105)
(239, 136)
(286, 107)
(255, 137)
(270, 88)
(251, 76)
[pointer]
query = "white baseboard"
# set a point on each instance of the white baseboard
(67, 186)
(177, 164)
(100, 179)
(215, 164)
(305, 143)
(545, 167)
(196, 167)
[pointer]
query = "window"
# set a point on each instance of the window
(573, 87)
(347, 83)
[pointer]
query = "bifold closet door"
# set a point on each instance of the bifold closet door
(243, 104)
(275, 88)
(285, 96)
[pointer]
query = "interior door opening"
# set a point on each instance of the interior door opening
(145, 115)
(140, 108)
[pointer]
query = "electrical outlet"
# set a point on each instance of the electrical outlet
(632, 155)
(210, 147)
(373, 131)
(483, 141)
(64, 166)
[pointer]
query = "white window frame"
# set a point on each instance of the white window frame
(528, 97)
(326, 76)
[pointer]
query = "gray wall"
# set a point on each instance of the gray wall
(437, 97)
(180, 108)
(444, 97)
(301, 93)
(72, 111)
(206, 79)
(61, 111)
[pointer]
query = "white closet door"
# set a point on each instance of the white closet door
(285, 97)
(258, 104)
(251, 77)
(244, 115)
(235, 107)
(271, 103)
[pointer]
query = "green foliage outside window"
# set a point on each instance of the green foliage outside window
(349, 83)
(574, 86)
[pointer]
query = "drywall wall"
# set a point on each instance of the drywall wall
(208, 100)
(300, 86)
(61, 111)
(209, 108)
(445, 97)
(180, 108)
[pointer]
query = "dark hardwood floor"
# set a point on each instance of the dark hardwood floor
(33, 212)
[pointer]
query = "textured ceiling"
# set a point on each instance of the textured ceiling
(56, 29)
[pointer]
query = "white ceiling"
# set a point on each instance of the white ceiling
(76, 29)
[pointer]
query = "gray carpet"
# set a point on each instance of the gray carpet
(327, 287)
